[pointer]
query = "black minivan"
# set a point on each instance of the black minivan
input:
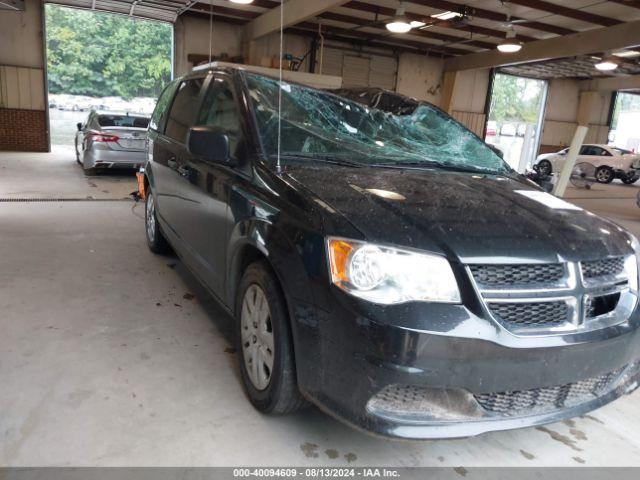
(394, 272)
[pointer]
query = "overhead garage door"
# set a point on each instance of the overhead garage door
(360, 70)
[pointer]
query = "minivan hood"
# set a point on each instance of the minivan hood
(467, 217)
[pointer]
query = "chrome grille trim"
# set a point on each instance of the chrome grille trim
(573, 289)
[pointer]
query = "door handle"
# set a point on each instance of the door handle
(191, 174)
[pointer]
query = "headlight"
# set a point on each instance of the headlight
(390, 275)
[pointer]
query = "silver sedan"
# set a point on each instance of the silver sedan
(111, 140)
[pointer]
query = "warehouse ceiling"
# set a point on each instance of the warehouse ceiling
(578, 67)
(480, 25)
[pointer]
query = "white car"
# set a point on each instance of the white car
(610, 162)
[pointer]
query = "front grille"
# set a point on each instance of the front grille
(538, 400)
(600, 268)
(531, 314)
(512, 276)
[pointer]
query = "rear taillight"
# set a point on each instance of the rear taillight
(101, 137)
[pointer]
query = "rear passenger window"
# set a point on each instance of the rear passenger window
(182, 115)
(219, 109)
(160, 112)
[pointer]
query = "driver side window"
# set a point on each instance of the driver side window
(220, 110)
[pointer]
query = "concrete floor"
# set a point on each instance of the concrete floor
(106, 361)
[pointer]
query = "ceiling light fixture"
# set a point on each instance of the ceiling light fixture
(446, 15)
(242, 2)
(607, 64)
(627, 54)
(510, 44)
(400, 23)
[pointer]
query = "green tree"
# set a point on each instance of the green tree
(101, 54)
(516, 99)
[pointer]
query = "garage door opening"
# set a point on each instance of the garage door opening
(624, 132)
(102, 61)
(515, 117)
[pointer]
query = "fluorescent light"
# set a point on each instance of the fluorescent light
(242, 2)
(627, 54)
(446, 15)
(416, 24)
(607, 64)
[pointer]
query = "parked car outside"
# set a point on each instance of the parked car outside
(111, 140)
(492, 131)
(508, 130)
(410, 285)
(610, 162)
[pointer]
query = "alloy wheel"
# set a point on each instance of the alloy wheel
(151, 217)
(257, 337)
(603, 175)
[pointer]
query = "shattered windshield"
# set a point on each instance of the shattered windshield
(316, 124)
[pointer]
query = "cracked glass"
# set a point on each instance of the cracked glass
(318, 124)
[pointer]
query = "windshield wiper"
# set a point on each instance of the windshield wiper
(433, 164)
(321, 157)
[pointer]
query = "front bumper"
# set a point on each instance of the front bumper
(365, 369)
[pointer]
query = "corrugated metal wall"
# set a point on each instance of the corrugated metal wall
(21, 88)
(366, 70)
(560, 134)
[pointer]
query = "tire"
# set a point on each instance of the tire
(604, 174)
(545, 168)
(77, 153)
(91, 172)
(264, 340)
(156, 241)
(630, 178)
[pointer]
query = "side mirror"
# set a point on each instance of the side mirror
(79, 125)
(210, 143)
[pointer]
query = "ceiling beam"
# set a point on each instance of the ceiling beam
(392, 41)
(629, 82)
(202, 10)
(567, 12)
(445, 5)
(12, 5)
(449, 39)
(583, 43)
(361, 43)
(472, 29)
(628, 3)
(294, 11)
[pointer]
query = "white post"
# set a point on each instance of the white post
(525, 154)
(572, 155)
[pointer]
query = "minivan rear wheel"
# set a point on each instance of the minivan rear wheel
(263, 343)
(156, 241)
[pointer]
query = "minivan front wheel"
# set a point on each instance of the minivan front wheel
(264, 344)
(155, 239)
